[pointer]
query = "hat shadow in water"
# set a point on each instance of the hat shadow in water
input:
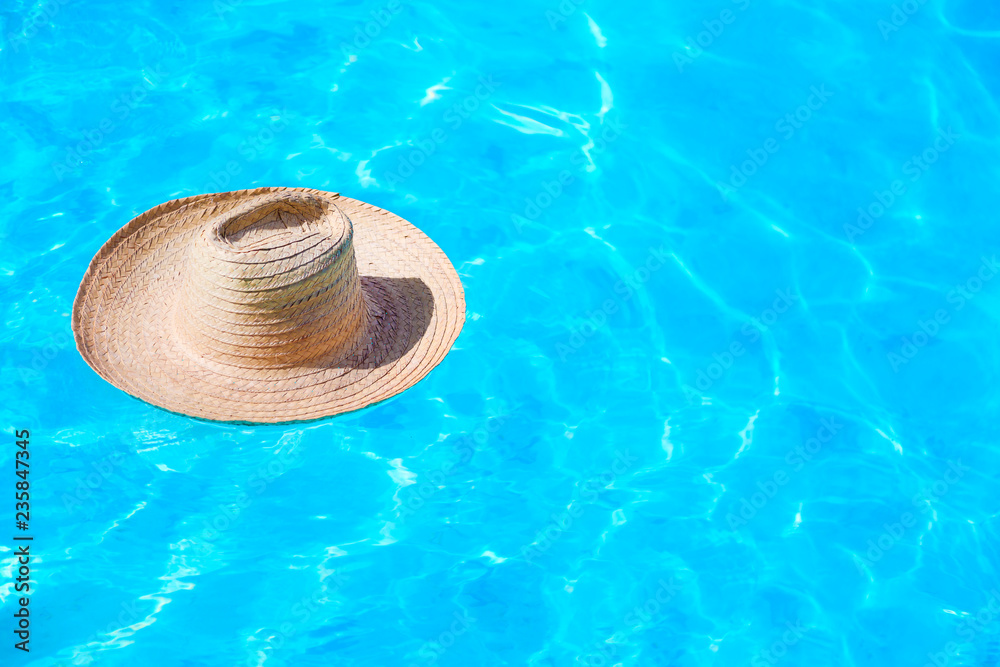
(394, 333)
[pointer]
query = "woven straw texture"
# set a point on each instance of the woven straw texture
(271, 305)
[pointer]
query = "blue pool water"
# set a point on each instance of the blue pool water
(726, 395)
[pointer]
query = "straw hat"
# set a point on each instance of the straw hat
(267, 306)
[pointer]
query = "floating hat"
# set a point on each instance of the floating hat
(267, 306)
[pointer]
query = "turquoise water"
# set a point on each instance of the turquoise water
(727, 390)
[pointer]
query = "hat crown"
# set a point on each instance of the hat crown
(273, 282)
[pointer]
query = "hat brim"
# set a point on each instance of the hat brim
(126, 310)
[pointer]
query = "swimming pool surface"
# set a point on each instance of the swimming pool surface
(727, 392)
